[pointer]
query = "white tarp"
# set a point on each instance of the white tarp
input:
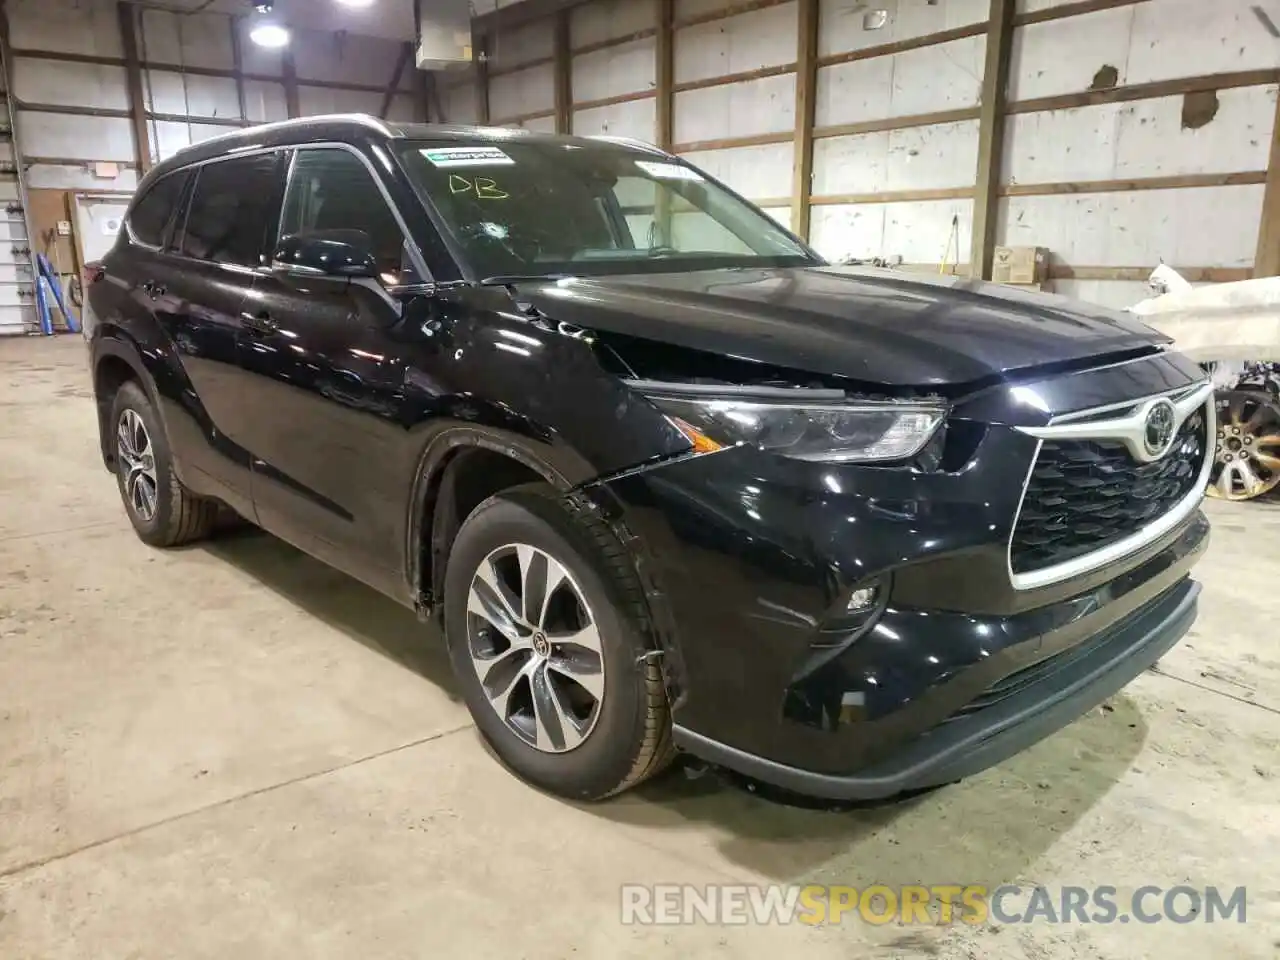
(1225, 321)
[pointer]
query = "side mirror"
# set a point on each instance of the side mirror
(325, 254)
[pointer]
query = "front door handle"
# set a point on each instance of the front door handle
(259, 322)
(153, 290)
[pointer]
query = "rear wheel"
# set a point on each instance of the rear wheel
(1247, 455)
(545, 625)
(163, 512)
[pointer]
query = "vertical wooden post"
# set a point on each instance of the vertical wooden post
(426, 91)
(806, 94)
(563, 74)
(133, 80)
(482, 78)
(1267, 261)
(293, 102)
(236, 24)
(986, 193)
(664, 82)
(664, 74)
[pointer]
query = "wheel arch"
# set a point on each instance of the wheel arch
(434, 522)
(116, 361)
(437, 507)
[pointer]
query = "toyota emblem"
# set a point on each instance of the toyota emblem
(1157, 432)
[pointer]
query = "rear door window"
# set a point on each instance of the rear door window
(233, 210)
(150, 217)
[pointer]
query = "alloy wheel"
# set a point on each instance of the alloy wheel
(535, 647)
(1247, 455)
(137, 461)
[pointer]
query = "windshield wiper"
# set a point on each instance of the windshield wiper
(501, 281)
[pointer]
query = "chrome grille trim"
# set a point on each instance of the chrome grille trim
(1186, 400)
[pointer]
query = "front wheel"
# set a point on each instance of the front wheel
(545, 625)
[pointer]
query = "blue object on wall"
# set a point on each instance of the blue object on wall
(55, 289)
(42, 306)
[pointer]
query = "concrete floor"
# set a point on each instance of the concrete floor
(231, 751)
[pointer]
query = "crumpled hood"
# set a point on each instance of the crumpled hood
(874, 326)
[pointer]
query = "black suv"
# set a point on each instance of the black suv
(670, 481)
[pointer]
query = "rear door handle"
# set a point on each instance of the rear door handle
(153, 290)
(259, 322)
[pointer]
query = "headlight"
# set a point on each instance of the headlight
(828, 432)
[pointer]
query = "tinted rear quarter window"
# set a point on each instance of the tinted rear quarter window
(232, 209)
(150, 216)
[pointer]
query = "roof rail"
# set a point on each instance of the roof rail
(363, 119)
(631, 142)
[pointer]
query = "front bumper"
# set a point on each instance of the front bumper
(1059, 692)
(749, 561)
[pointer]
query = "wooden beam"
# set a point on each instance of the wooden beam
(610, 101)
(733, 10)
(1148, 91)
(1071, 10)
(481, 53)
(586, 48)
(523, 65)
(896, 123)
(521, 117)
(563, 74)
(397, 75)
(1267, 262)
(893, 196)
(1178, 182)
(1065, 271)
(116, 114)
(511, 15)
(664, 74)
(423, 94)
(235, 24)
(806, 108)
(727, 143)
(58, 56)
(760, 73)
(292, 101)
(995, 80)
(133, 80)
(436, 103)
(902, 46)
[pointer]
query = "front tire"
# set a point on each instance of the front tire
(163, 512)
(546, 629)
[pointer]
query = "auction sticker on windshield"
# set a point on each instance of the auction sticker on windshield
(466, 156)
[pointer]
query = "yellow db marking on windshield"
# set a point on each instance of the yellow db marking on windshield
(485, 188)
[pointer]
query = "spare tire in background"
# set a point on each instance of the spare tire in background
(1247, 454)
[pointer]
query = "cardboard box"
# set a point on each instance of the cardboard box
(1020, 265)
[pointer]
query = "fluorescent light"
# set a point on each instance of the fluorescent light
(269, 35)
(355, 3)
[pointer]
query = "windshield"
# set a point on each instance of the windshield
(539, 208)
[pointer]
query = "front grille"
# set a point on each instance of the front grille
(1084, 495)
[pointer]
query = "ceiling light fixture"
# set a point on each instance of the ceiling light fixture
(354, 3)
(269, 35)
